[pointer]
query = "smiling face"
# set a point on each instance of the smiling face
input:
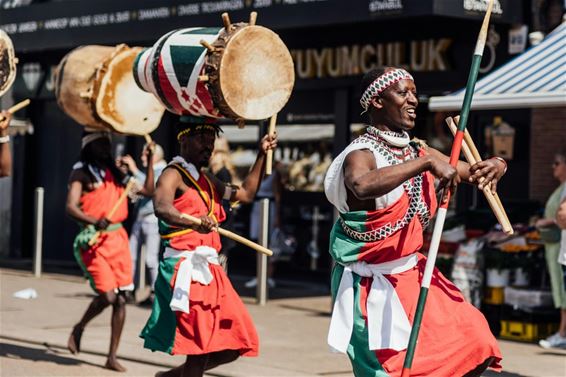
(197, 147)
(397, 106)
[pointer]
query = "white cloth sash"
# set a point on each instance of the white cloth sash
(194, 267)
(388, 325)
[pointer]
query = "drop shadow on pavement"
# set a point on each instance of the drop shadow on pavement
(17, 352)
(491, 373)
(313, 312)
(58, 348)
(284, 288)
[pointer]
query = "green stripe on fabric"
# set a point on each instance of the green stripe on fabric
(135, 69)
(184, 59)
(364, 361)
(81, 239)
(154, 63)
(344, 249)
(159, 331)
(204, 30)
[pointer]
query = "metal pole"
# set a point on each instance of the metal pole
(38, 232)
(141, 272)
(261, 289)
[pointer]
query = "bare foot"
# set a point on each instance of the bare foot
(74, 342)
(113, 364)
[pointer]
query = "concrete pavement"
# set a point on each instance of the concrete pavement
(292, 330)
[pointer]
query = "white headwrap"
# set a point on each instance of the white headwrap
(88, 138)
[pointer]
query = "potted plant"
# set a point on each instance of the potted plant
(497, 264)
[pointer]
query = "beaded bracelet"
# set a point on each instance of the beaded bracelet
(502, 160)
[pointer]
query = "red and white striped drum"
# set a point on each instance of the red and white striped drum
(245, 73)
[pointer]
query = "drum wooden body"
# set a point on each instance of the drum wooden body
(95, 87)
(248, 74)
(7, 63)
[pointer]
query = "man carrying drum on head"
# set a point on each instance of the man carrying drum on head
(383, 185)
(5, 156)
(95, 188)
(196, 311)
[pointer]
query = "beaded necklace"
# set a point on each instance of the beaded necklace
(379, 142)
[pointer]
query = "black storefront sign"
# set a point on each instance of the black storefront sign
(61, 25)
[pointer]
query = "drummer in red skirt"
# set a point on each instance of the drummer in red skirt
(196, 311)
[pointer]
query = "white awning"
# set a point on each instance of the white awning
(536, 78)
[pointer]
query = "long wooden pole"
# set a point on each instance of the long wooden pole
(113, 210)
(441, 215)
(233, 236)
(269, 156)
(493, 199)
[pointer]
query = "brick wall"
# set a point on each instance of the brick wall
(548, 135)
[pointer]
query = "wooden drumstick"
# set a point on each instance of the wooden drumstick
(492, 199)
(232, 236)
(475, 152)
(226, 21)
(241, 123)
(147, 138)
(17, 107)
(121, 199)
(269, 156)
(253, 18)
(207, 45)
(470, 142)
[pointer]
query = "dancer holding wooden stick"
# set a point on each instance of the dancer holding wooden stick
(5, 155)
(383, 185)
(196, 311)
(96, 199)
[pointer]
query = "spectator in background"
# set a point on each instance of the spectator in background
(270, 188)
(145, 228)
(561, 220)
(5, 156)
(221, 166)
(551, 234)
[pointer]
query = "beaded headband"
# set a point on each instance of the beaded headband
(198, 128)
(380, 84)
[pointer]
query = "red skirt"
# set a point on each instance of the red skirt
(217, 318)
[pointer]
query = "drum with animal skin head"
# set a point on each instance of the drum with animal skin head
(95, 87)
(241, 71)
(7, 63)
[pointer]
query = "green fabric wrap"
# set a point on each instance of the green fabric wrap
(343, 249)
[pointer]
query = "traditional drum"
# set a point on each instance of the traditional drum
(95, 87)
(241, 71)
(7, 63)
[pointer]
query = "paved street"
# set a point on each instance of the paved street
(292, 329)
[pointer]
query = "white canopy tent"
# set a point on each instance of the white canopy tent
(536, 78)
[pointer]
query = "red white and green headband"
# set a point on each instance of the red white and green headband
(380, 84)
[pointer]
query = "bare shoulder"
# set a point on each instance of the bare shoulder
(170, 181)
(78, 175)
(169, 176)
(360, 158)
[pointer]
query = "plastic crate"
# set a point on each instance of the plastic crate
(528, 324)
(494, 296)
(525, 331)
(527, 298)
